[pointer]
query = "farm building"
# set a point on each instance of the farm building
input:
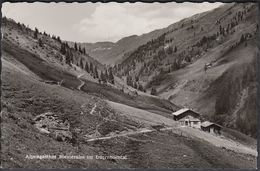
(187, 117)
(211, 127)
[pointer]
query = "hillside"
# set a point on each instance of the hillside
(173, 64)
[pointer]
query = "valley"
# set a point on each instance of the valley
(64, 98)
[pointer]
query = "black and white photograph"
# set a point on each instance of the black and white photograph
(129, 85)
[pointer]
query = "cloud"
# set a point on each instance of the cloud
(112, 21)
(92, 22)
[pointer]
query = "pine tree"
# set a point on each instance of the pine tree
(80, 49)
(175, 49)
(58, 39)
(84, 51)
(36, 32)
(242, 38)
(129, 81)
(40, 42)
(136, 78)
(87, 67)
(68, 57)
(81, 63)
(75, 46)
(111, 77)
(96, 72)
(135, 85)
(63, 49)
(67, 45)
(140, 87)
(4, 20)
(169, 50)
(91, 68)
(153, 91)
(19, 26)
(102, 77)
(106, 75)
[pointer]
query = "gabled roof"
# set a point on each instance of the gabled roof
(180, 111)
(207, 124)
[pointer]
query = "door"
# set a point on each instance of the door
(211, 130)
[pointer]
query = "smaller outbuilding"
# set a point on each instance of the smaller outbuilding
(211, 127)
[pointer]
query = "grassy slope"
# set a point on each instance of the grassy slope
(194, 88)
(233, 71)
(24, 97)
(37, 61)
(40, 67)
(147, 151)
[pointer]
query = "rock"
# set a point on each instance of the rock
(49, 123)
(63, 135)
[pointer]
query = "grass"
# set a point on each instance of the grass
(156, 105)
(146, 151)
(40, 67)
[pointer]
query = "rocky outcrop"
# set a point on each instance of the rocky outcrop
(49, 123)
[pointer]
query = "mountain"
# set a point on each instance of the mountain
(113, 53)
(174, 64)
(59, 100)
(110, 53)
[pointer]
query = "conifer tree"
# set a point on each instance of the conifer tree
(153, 91)
(84, 51)
(68, 57)
(63, 49)
(36, 32)
(129, 81)
(91, 67)
(40, 42)
(96, 72)
(106, 75)
(87, 67)
(75, 46)
(81, 63)
(135, 85)
(175, 49)
(111, 77)
(242, 38)
(102, 77)
(58, 39)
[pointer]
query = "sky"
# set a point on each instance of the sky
(95, 22)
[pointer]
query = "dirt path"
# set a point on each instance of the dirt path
(81, 82)
(93, 109)
(145, 130)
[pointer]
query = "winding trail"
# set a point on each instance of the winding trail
(81, 82)
(121, 135)
(93, 109)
